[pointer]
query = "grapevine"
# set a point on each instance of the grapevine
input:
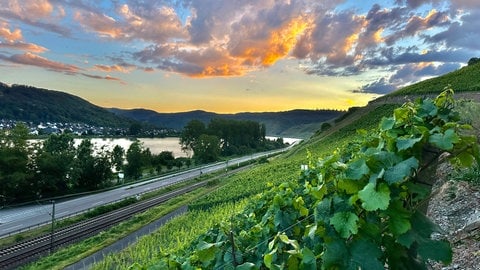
(359, 208)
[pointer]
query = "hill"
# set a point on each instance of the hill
(31, 104)
(465, 79)
(294, 123)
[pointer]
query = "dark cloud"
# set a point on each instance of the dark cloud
(108, 78)
(416, 3)
(463, 34)
(417, 24)
(398, 56)
(411, 73)
(381, 87)
(405, 75)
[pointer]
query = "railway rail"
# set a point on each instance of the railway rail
(30, 250)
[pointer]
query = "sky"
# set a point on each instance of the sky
(230, 56)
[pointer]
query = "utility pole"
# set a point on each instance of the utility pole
(53, 226)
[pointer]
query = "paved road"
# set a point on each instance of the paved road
(16, 219)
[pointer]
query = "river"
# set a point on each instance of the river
(156, 145)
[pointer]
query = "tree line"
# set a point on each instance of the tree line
(225, 137)
(56, 167)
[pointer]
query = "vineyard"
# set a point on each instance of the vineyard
(358, 206)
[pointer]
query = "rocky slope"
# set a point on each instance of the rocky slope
(455, 207)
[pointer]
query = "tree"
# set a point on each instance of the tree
(91, 171)
(135, 129)
(54, 165)
(134, 165)
(117, 157)
(15, 171)
(207, 148)
(83, 166)
(473, 61)
(191, 133)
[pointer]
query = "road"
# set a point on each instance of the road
(13, 220)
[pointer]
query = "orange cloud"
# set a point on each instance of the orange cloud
(158, 27)
(38, 61)
(283, 40)
(32, 9)
(8, 35)
(114, 68)
(33, 48)
(100, 23)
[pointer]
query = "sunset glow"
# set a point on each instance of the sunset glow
(232, 56)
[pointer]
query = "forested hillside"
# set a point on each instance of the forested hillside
(31, 104)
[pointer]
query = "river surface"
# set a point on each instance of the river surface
(156, 145)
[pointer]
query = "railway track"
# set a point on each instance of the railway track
(30, 250)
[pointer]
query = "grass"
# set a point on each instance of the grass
(471, 175)
(173, 237)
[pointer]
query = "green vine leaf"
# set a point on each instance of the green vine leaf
(375, 199)
(387, 123)
(427, 108)
(357, 169)
(206, 251)
(365, 254)
(404, 143)
(335, 254)
(309, 262)
(322, 210)
(436, 250)
(345, 223)
(399, 218)
(401, 170)
(444, 140)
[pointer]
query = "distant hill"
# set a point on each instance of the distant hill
(295, 123)
(31, 104)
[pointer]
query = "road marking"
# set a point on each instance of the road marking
(63, 213)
